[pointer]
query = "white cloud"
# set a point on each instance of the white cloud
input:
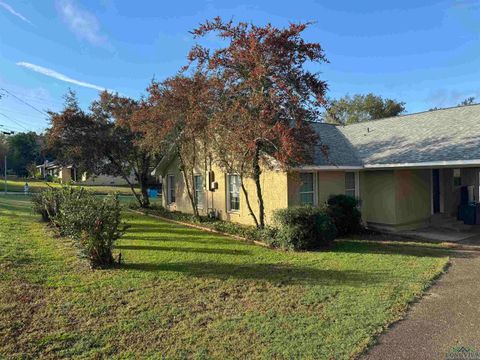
(13, 12)
(56, 75)
(82, 23)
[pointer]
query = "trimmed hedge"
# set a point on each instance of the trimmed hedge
(344, 212)
(303, 228)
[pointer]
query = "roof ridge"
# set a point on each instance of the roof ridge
(411, 114)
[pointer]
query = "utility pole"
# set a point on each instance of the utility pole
(5, 174)
(5, 170)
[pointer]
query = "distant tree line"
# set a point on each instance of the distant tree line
(24, 150)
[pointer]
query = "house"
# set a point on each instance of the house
(63, 173)
(69, 173)
(403, 169)
(103, 179)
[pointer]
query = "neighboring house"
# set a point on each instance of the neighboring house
(402, 169)
(68, 173)
(106, 180)
(62, 173)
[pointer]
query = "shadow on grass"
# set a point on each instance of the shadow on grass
(274, 273)
(420, 250)
(184, 249)
(148, 229)
(17, 206)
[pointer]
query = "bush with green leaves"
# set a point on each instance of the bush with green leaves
(48, 202)
(94, 223)
(100, 226)
(303, 228)
(344, 212)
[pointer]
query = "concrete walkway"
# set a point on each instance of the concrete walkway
(441, 235)
(447, 317)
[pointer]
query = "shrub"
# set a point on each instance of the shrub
(48, 202)
(100, 226)
(343, 210)
(303, 228)
(94, 223)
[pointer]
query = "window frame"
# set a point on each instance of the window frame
(459, 177)
(200, 205)
(170, 188)
(313, 191)
(229, 205)
(356, 189)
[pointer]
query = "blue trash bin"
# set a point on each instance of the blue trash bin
(152, 193)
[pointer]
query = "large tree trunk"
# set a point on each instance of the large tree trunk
(140, 197)
(256, 177)
(188, 184)
(145, 203)
(247, 199)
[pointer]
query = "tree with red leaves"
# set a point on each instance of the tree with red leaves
(268, 98)
(111, 139)
(188, 104)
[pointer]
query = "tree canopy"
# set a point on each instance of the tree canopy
(360, 108)
(267, 100)
(107, 140)
(468, 101)
(24, 149)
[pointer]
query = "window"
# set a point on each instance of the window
(457, 178)
(198, 187)
(170, 189)
(350, 184)
(307, 194)
(233, 192)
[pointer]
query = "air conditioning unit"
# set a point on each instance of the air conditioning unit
(213, 185)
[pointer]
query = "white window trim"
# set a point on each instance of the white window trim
(227, 183)
(315, 187)
(169, 198)
(356, 175)
(199, 206)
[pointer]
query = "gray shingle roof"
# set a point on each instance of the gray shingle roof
(435, 136)
(340, 151)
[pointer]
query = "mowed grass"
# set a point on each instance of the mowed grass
(38, 185)
(184, 293)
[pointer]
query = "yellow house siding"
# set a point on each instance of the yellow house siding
(412, 198)
(377, 193)
(395, 199)
(182, 201)
(65, 175)
(390, 199)
(330, 183)
(274, 186)
(327, 183)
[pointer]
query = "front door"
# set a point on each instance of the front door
(436, 190)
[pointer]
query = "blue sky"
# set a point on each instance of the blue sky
(425, 53)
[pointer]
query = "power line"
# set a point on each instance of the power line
(24, 102)
(22, 113)
(16, 122)
(4, 129)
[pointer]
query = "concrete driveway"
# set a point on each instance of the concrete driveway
(447, 317)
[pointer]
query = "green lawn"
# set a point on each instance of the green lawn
(37, 185)
(183, 293)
